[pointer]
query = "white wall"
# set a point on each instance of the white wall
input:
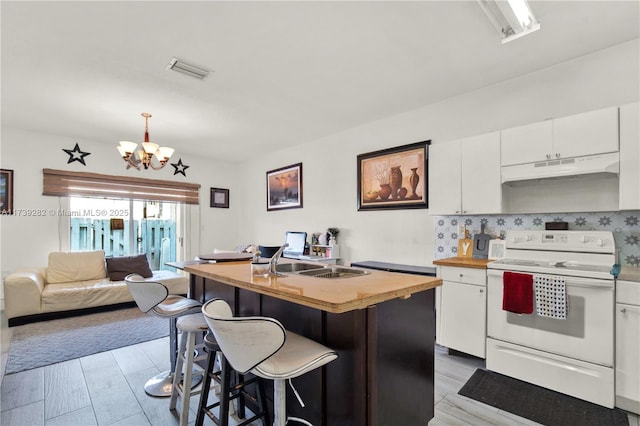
(608, 77)
(605, 78)
(26, 241)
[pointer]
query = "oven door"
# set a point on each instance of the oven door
(586, 334)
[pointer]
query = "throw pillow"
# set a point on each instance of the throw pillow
(120, 267)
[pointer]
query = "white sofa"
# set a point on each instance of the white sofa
(71, 282)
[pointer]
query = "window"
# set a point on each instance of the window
(125, 227)
(132, 215)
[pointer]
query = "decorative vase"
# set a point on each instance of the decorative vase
(396, 181)
(402, 192)
(385, 191)
(413, 180)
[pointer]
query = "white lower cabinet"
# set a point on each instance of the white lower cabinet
(628, 346)
(462, 313)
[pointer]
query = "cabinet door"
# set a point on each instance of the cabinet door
(481, 184)
(629, 157)
(526, 144)
(627, 361)
(444, 178)
(593, 132)
(463, 318)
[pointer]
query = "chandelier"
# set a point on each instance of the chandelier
(145, 157)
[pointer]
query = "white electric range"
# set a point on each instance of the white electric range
(572, 354)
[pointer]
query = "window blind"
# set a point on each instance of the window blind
(81, 184)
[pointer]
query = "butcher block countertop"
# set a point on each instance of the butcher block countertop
(629, 273)
(330, 295)
(464, 262)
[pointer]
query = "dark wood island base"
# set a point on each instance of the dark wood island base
(384, 373)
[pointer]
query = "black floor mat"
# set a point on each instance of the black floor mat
(537, 403)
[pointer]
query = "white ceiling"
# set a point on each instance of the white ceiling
(284, 73)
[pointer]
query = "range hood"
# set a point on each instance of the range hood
(565, 167)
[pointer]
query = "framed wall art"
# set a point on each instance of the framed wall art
(394, 178)
(219, 198)
(6, 191)
(284, 188)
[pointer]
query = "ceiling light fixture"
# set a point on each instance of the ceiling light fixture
(144, 157)
(191, 70)
(512, 18)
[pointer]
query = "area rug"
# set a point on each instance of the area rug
(49, 342)
(536, 403)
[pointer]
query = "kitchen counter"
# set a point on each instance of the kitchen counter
(396, 267)
(382, 325)
(464, 262)
(329, 295)
(629, 273)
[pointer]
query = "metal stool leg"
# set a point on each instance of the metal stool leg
(206, 387)
(161, 384)
(279, 403)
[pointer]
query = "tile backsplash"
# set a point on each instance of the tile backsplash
(624, 225)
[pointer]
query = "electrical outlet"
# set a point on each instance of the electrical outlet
(460, 231)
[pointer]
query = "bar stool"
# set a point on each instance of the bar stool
(153, 297)
(228, 392)
(262, 346)
(186, 365)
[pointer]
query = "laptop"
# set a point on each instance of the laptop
(296, 241)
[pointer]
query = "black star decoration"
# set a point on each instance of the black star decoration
(179, 168)
(76, 154)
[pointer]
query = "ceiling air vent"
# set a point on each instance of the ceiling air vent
(191, 70)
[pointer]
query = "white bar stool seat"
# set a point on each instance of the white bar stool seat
(262, 346)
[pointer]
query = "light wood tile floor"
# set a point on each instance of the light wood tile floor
(107, 389)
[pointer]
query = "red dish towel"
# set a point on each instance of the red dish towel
(517, 293)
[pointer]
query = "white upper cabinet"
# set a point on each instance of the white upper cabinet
(464, 176)
(593, 132)
(629, 157)
(444, 178)
(481, 183)
(527, 144)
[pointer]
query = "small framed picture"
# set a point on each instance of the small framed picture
(6, 191)
(220, 198)
(284, 188)
(497, 249)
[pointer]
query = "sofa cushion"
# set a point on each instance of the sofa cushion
(67, 267)
(120, 267)
(84, 294)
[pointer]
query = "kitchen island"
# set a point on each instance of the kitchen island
(382, 325)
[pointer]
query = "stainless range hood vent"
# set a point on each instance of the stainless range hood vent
(563, 168)
(191, 70)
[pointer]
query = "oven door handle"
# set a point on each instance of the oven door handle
(568, 280)
(588, 282)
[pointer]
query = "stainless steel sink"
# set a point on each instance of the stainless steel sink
(334, 272)
(297, 267)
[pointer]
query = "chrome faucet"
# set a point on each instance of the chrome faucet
(273, 263)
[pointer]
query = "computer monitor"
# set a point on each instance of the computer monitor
(296, 241)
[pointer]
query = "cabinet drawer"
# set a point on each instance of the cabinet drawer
(464, 275)
(628, 292)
